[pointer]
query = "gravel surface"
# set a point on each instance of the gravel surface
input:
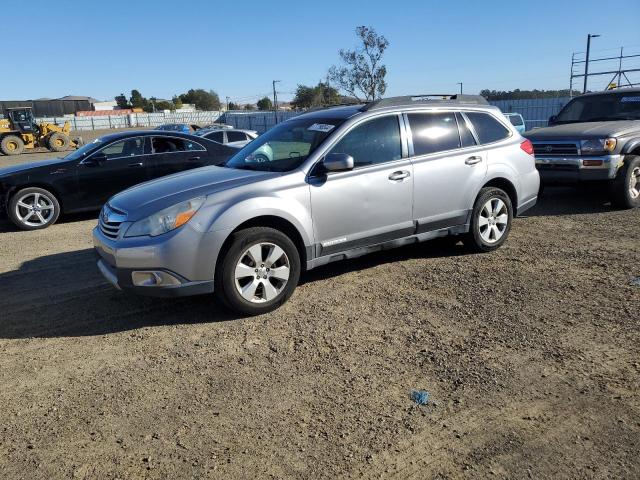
(530, 354)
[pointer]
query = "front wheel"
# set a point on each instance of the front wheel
(33, 209)
(490, 220)
(259, 271)
(625, 189)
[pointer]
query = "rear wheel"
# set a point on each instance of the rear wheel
(33, 209)
(259, 271)
(11, 145)
(625, 189)
(490, 220)
(58, 142)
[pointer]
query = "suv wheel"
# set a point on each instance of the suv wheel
(259, 271)
(625, 189)
(490, 220)
(33, 208)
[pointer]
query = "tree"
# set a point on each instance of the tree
(122, 102)
(265, 104)
(249, 106)
(361, 74)
(165, 105)
(234, 106)
(137, 100)
(319, 96)
(177, 103)
(202, 99)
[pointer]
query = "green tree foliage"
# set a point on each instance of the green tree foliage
(122, 102)
(249, 106)
(234, 106)
(137, 100)
(164, 105)
(518, 94)
(265, 103)
(177, 103)
(319, 96)
(362, 74)
(202, 99)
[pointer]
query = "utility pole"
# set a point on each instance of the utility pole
(275, 99)
(460, 83)
(586, 63)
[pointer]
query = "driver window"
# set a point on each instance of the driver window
(373, 142)
(124, 148)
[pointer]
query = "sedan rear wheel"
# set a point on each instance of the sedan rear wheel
(33, 209)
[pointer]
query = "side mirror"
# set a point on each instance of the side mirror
(552, 120)
(96, 160)
(338, 162)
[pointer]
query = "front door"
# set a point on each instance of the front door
(371, 203)
(110, 170)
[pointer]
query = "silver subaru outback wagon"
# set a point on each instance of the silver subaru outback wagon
(323, 186)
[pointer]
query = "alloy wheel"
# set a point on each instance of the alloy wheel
(35, 209)
(262, 272)
(493, 220)
(634, 183)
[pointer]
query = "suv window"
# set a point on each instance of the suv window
(433, 132)
(169, 145)
(216, 137)
(124, 148)
(375, 141)
(236, 136)
(516, 120)
(466, 137)
(487, 128)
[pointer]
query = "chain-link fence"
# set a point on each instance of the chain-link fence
(535, 111)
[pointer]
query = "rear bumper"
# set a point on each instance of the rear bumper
(577, 169)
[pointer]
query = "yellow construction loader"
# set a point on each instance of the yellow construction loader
(19, 130)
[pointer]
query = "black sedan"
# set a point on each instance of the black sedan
(34, 194)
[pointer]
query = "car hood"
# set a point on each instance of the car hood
(7, 171)
(150, 197)
(577, 131)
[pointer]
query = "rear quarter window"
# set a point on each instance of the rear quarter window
(487, 128)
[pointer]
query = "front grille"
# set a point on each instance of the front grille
(543, 149)
(110, 221)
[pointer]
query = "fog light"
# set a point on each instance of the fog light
(153, 279)
(592, 163)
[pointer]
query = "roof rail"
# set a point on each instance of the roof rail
(410, 100)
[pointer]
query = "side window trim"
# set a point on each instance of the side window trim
(477, 137)
(471, 128)
(183, 140)
(113, 143)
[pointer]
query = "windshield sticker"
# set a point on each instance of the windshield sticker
(321, 127)
(631, 99)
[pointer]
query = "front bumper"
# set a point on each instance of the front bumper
(572, 169)
(171, 266)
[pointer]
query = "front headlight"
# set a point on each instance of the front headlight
(598, 146)
(166, 220)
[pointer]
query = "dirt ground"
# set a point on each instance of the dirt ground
(531, 355)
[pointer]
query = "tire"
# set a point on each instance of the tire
(25, 217)
(58, 142)
(625, 188)
(268, 292)
(11, 145)
(489, 227)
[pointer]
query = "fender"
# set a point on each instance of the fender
(631, 145)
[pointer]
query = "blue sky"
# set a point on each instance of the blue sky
(163, 47)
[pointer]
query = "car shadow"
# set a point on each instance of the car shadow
(7, 226)
(571, 201)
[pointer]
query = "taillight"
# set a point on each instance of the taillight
(527, 146)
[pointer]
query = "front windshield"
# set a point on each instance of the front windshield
(597, 108)
(284, 147)
(85, 150)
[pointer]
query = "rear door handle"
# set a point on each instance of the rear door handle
(399, 175)
(473, 160)
(136, 164)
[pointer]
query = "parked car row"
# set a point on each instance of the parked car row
(323, 186)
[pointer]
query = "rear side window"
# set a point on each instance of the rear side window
(236, 136)
(515, 120)
(466, 137)
(433, 132)
(170, 145)
(487, 128)
(216, 137)
(375, 141)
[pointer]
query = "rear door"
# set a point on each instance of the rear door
(124, 164)
(449, 167)
(175, 154)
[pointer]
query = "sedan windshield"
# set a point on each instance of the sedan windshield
(284, 147)
(85, 150)
(598, 108)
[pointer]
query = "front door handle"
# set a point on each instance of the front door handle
(136, 164)
(399, 175)
(473, 160)
(194, 159)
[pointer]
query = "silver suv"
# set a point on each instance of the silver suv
(323, 186)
